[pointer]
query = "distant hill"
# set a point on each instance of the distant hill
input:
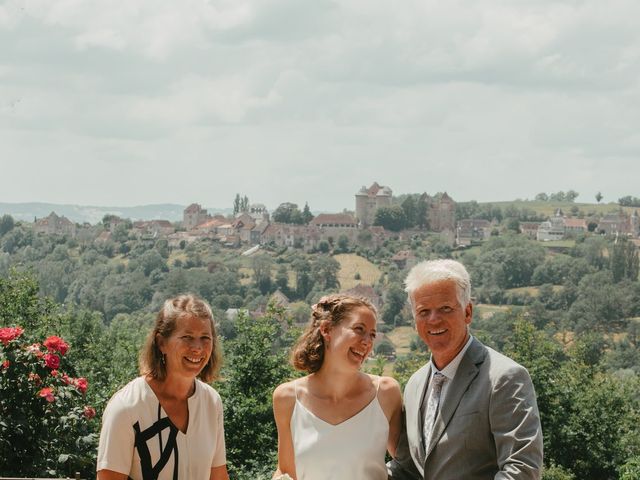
(93, 214)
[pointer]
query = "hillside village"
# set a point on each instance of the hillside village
(556, 284)
(255, 226)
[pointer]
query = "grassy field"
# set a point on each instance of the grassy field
(533, 291)
(550, 208)
(401, 339)
(350, 264)
(486, 311)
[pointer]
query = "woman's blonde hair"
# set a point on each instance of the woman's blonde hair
(151, 360)
(307, 354)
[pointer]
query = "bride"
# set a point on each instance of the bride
(337, 422)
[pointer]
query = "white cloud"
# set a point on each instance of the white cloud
(484, 100)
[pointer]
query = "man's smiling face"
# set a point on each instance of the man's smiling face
(441, 321)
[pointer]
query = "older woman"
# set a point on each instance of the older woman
(337, 422)
(167, 424)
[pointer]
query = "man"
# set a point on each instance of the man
(471, 412)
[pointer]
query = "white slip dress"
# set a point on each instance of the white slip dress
(351, 450)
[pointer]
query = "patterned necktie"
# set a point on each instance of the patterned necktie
(432, 408)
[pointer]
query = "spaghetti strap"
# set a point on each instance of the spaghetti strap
(378, 385)
(295, 388)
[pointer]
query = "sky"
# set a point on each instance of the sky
(158, 101)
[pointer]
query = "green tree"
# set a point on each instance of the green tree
(571, 196)
(410, 210)
(304, 280)
(236, 204)
(324, 270)
(343, 244)
(288, 213)
(255, 363)
(307, 216)
(262, 265)
(598, 197)
(624, 260)
(6, 224)
(391, 218)
(395, 301)
(422, 210)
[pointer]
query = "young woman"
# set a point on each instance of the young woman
(167, 424)
(337, 422)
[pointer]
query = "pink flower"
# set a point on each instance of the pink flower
(6, 364)
(82, 384)
(54, 373)
(56, 344)
(10, 333)
(89, 412)
(47, 393)
(66, 379)
(35, 378)
(52, 361)
(35, 350)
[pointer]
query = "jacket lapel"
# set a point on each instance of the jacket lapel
(467, 371)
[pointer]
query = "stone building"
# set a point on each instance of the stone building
(441, 211)
(55, 225)
(368, 200)
(194, 215)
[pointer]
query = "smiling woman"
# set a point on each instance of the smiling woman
(167, 423)
(337, 422)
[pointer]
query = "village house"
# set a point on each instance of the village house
(367, 292)
(404, 259)
(551, 229)
(441, 212)
(153, 228)
(472, 230)
(529, 229)
(55, 225)
(615, 224)
(575, 226)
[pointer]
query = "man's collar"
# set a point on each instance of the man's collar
(452, 367)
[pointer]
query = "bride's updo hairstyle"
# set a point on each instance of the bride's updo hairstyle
(307, 354)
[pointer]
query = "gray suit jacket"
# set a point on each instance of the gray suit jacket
(488, 426)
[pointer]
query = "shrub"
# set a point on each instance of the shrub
(45, 425)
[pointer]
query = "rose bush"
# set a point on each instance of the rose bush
(46, 428)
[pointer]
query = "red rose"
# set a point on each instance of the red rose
(82, 384)
(6, 364)
(66, 379)
(54, 373)
(47, 393)
(56, 344)
(10, 333)
(35, 378)
(52, 361)
(89, 412)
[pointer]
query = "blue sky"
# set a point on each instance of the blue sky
(157, 101)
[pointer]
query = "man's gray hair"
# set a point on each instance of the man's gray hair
(432, 271)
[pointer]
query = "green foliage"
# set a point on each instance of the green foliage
(255, 364)
(46, 426)
(588, 418)
(395, 300)
(6, 224)
(631, 469)
(289, 213)
(629, 201)
(624, 260)
(555, 472)
(506, 262)
(391, 218)
(307, 216)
